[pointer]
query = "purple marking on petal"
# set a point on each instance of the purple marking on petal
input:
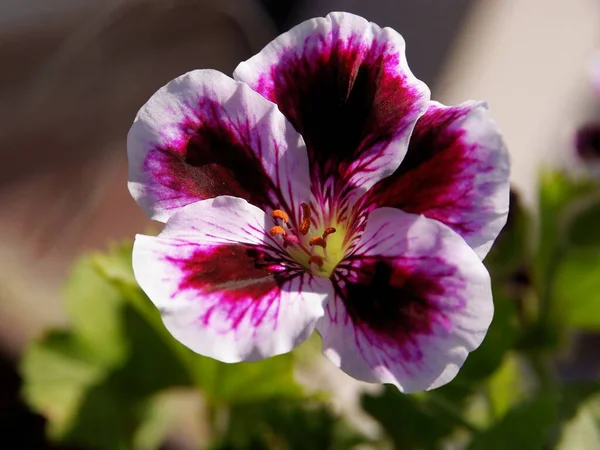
(452, 173)
(247, 280)
(214, 157)
(347, 98)
(395, 302)
(587, 142)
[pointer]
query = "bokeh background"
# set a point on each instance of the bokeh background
(74, 73)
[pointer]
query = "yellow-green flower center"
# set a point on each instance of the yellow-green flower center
(317, 248)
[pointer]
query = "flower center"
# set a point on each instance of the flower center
(319, 248)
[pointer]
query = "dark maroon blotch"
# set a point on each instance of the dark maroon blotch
(348, 101)
(587, 142)
(394, 303)
(243, 271)
(437, 176)
(216, 159)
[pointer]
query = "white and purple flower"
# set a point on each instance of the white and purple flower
(320, 188)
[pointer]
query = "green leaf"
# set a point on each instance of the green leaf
(92, 403)
(582, 431)
(57, 371)
(413, 421)
(115, 265)
(583, 220)
(505, 387)
(94, 307)
(247, 382)
(576, 294)
(289, 425)
(525, 427)
(557, 192)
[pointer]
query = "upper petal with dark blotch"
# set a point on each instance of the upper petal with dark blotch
(456, 171)
(411, 302)
(224, 288)
(345, 85)
(204, 135)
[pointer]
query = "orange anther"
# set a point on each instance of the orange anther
(305, 223)
(315, 259)
(279, 214)
(328, 231)
(277, 230)
(318, 240)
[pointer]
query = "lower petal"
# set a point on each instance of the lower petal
(411, 302)
(223, 290)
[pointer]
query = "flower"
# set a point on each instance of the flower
(587, 143)
(586, 138)
(320, 188)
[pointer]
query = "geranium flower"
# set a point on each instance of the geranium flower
(587, 136)
(320, 188)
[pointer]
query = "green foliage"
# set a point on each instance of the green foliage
(581, 429)
(576, 293)
(404, 418)
(289, 425)
(525, 427)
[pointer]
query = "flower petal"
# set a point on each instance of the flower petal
(220, 285)
(410, 303)
(345, 85)
(204, 135)
(456, 171)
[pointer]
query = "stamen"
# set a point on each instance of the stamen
(290, 239)
(277, 230)
(279, 214)
(305, 223)
(316, 259)
(317, 240)
(328, 231)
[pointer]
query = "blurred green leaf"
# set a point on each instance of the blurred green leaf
(94, 307)
(557, 192)
(93, 403)
(583, 222)
(413, 422)
(582, 430)
(505, 386)
(525, 427)
(247, 382)
(576, 294)
(57, 371)
(115, 265)
(288, 425)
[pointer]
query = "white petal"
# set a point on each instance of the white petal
(345, 85)
(203, 135)
(222, 286)
(456, 171)
(411, 303)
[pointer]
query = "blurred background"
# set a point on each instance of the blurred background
(75, 72)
